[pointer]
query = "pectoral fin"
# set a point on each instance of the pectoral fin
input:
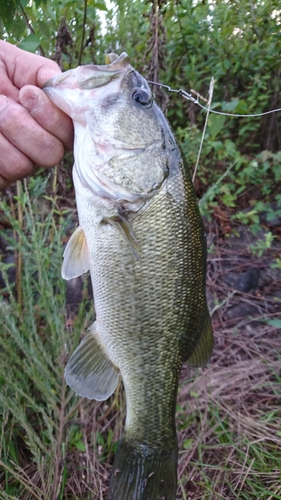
(89, 371)
(125, 228)
(76, 256)
(204, 347)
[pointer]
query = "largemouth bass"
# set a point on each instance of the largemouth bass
(141, 236)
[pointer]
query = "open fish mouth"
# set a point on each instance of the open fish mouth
(90, 76)
(84, 77)
(78, 86)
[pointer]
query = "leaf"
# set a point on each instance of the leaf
(38, 3)
(276, 323)
(230, 106)
(242, 107)
(98, 5)
(80, 446)
(265, 155)
(18, 27)
(8, 9)
(215, 124)
(179, 408)
(30, 43)
(229, 199)
(187, 444)
(44, 29)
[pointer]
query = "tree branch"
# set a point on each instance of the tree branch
(83, 33)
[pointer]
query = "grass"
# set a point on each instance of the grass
(235, 434)
(56, 446)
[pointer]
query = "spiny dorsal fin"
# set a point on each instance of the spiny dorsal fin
(89, 371)
(76, 256)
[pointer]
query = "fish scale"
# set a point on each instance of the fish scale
(141, 235)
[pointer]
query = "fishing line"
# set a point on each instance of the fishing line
(189, 97)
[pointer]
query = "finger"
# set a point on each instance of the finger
(25, 134)
(18, 68)
(47, 114)
(13, 164)
(3, 183)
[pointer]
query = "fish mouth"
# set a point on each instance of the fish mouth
(73, 90)
(91, 76)
(84, 77)
(57, 79)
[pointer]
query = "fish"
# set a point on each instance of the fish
(142, 238)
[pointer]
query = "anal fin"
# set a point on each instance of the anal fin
(89, 371)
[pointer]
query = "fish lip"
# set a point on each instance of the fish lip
(57, 79)
(48, 83)
(131, 150)
(85, 73)
(90, 77)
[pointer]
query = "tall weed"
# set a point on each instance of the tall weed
(35, 404)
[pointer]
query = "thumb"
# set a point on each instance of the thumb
(32, 98)
(47, 115)
(45, 73)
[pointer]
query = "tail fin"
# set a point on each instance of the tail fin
(142, 473)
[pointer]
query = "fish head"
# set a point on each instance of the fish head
(119, 125)
(75, 90)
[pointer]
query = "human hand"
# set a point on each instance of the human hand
(33, 131)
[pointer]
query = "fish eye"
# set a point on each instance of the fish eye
(142, 98)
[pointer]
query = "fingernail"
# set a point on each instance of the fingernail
(3, 102)
(31, 99)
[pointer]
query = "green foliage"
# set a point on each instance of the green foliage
(44, 20)
(105, 445)
(276, 323)
(8, 9)
(75, 438)
(35, 405)
(234, 177)
(235, 44)
(30, 43)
